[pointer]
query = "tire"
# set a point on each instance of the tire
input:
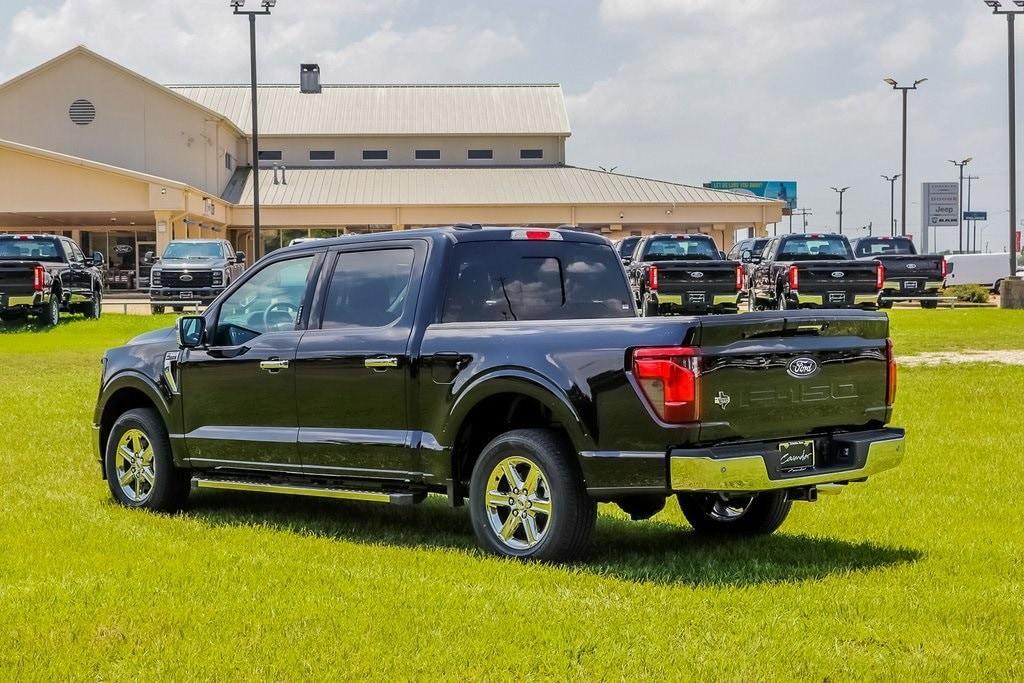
(929, 304)
(887, 304)
(543, 456)
(179, 309)
(156, 310)
(782, 302)
(50, 315)
(709, 515)
(150, 480)
(94, 309)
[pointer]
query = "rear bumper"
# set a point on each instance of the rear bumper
(819, 299)
(710, 299)
(16, 300)
(754, 467)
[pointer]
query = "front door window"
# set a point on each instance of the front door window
(270, 300)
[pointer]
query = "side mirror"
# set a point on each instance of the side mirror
(191, 331)
(149, 258)
(626, 260)
(239, 257)
(98, 259)
(747, 255)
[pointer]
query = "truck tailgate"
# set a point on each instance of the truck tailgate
(16, 277)
(773, 375)
(677, 277)
(856, 276)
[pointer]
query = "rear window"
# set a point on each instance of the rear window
(876, 247)
(812, 248)
(627, 246)
(535, 280)
(30, 249)
(680, 247)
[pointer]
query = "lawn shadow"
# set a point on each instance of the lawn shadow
(655, 552)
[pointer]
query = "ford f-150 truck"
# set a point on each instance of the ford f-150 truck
(46, 274)
(192, 270)
(500, 365)
(812, 271)
(683, 273)
(908, 275)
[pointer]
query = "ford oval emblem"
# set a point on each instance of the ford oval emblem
(838, 273)
(697, 274)
(185, 277)
(802, 367)
(911, 266)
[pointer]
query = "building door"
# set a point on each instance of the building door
(142, 278)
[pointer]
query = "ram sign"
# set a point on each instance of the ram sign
(783, 190)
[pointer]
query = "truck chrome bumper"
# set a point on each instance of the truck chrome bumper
(714, 299)
(11, 301)
(818, 299)
(870, 452)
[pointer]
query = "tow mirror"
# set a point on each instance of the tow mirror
(98, 259)
(239, 257)
(191, 331)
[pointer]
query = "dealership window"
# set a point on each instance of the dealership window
(228, 161)
(428, 154)
(481, 154)
(321, 155)
(531, 154)
(270, 155)
(371, 154)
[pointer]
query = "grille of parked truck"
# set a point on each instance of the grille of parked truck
(506, 369)
(194, 270)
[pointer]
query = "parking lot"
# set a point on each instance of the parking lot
(912, 575)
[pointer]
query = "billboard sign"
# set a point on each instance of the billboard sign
(940, 204)
(783, 190)
(975, 215)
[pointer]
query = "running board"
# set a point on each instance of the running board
(300, 490)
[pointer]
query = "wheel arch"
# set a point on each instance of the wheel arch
(125, 392)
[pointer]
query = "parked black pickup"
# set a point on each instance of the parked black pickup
(43, 275)
(683, 274)
(908, 275)
(502, 365)
(812, 271)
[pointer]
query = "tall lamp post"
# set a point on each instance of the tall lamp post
(903, 168)
(960, 199)
(841, 191)
(265, 6)
(972, 225)
(892, 202)
(1011, 12)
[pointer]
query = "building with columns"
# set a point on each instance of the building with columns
(122, 164)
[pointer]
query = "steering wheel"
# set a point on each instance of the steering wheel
(282, 308)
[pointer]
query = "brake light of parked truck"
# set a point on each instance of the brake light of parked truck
(38, 278)
(739, 278)
(943, 268)
(890, 383)
(652, 278)
(668, 379)
(794, 278)
(536, 235)
(879, 276)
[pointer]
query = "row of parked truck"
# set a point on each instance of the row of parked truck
(687, 273)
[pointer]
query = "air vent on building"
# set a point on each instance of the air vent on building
(82, 112)
(309, 78)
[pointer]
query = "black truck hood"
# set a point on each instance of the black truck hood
(165, 334)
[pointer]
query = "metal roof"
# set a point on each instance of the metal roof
(391, 109)
(399, 186)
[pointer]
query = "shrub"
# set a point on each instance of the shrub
(975, 294)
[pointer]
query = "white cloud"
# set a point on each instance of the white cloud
(983, 40)
(908, 45)
(660, 10)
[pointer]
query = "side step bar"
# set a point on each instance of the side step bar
(304, 490)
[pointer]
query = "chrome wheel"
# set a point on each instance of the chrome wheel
(134, 466)
(728, 509)
(518, 503)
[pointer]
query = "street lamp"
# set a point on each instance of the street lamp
(1010, 12)
(265, 6)
(903, 169)
(972, 225)
(892, 202)
(841, 190)
(960, 206)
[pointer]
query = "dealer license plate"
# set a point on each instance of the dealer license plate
(836, 297)
(695, 297)
(910, 284)
(796, 455)
(185, 295)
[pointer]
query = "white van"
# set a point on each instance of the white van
(977, 269)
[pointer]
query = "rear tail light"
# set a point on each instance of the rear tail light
(890, 381)
(668, 378)
(739, 278)
(652, 278)
(943, 267)
(879, 276)
(536, 235)
(38, 278)
(794, 278)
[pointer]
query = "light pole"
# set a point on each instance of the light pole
(998, 8)
(972, 225)
(960, 199)
(892, 202)
(265, 6)
(841, 191)
(903, 167)
(803, 213)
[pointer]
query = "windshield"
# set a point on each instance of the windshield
(813, 248)
(681, 248)
(30, 249)
(180, 251)
(894, 245)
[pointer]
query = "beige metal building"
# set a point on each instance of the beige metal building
(123, 164)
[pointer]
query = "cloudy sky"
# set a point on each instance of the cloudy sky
(684, 90)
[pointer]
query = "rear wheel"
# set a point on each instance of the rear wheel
(712, 514)
(527, 498)
(139, 467)
(50, 315)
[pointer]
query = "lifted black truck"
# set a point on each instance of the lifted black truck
(812, 271)
(683, 273)
(909, 276)
(43, 275)
(504, 366)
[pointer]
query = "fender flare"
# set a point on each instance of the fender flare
(133, 379)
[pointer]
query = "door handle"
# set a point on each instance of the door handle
(273, 365)
(381, 362)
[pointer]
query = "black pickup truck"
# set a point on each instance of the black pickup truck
(502, 365)
(812, 271)
(192, 270)
(43, 275)
(908, 275)
(683, 274)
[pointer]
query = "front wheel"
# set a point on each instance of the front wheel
(95, 307)
(527, 498)
(712, 514)
(782, 302)
(138, 464)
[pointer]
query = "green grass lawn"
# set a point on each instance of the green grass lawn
(917, 573)
(916, 330)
